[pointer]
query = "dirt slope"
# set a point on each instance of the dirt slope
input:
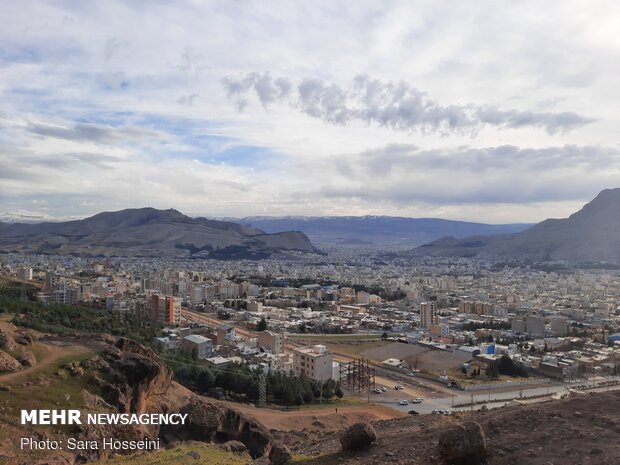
(584, 430)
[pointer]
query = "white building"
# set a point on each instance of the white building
(315, 362)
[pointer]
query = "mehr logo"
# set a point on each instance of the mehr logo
(51, 417)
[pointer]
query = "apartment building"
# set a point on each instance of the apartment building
(314, 362)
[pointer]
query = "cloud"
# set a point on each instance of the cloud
(95, 133)
(266, 89)
(394, 105)
(189, 100)
(406, 174)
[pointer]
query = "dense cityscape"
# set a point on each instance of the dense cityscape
(448, 321)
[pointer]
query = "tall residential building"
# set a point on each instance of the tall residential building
(314, 362)
(165, 310)
(428, 314)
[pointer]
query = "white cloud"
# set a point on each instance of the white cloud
(112, 104)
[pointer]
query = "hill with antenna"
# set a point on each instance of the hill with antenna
(149, 232)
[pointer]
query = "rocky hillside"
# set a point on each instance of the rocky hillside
(122, 376)
(589, 235)
(149, 232)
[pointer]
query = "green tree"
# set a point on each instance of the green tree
(492, 371)
(205, 380)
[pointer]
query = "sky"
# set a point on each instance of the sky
(491, 111)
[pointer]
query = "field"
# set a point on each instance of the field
(418, 357)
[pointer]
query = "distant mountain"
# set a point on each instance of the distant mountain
(24, 216)
(376, 230)
(590, 235)
(149, 232)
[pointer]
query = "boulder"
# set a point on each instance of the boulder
(8, 363)
(26, 357)
(279, 454)
(463, 444)
(357, 436)
(6, 340)
(24, 338)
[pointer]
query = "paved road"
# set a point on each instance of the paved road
(462, 402)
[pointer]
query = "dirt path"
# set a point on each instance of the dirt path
(322, 418)
(51, 354)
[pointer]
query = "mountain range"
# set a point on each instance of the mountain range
(590, 235)
(375, 230)
(149, 232)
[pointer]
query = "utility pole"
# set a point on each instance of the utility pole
(262, 391)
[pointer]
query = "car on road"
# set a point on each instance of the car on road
(404, 402)
(399, 387)
(377, 391)
(411, 373)
(413, 412)
(417, 400)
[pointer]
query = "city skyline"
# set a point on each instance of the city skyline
(495, 113)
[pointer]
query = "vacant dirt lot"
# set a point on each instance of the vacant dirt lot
(425, 359)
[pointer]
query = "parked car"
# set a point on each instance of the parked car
(413, 412)
(399, 387)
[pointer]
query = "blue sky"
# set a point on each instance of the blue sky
(495, 111)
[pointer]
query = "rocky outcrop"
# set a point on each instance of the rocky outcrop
(463, 444)
(6, 340)
(25, 337)
(357, 436)
(210, 422)
(26, 357)
(8, 363)
(130, 378)
(279, 455)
